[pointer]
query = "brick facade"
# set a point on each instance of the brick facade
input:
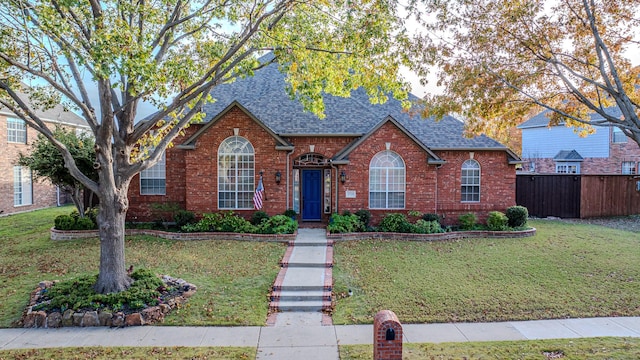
(191, 174)
(44, 193)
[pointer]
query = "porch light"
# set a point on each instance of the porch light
(278, 177)
(343, 176)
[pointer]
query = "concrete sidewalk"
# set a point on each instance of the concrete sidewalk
(304, 337)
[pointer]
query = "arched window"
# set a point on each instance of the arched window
(235, 174)
(386, 181)
(470, 181)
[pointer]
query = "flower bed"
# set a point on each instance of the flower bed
(84, 234)
(454, 235)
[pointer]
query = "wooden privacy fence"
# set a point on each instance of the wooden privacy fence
(578, 196)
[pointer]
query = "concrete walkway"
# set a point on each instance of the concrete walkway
(311, 340)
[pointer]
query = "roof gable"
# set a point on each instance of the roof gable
(190, 143)
(343, 155)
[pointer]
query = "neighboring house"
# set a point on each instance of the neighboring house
(558, 149)
(361, 156)
(18, 190)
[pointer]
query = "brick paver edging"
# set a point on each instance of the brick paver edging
(84, 234)
(433, 237)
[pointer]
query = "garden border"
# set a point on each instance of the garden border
(57, 235)
(455, 235)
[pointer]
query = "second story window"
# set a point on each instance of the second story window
(619, 136)
(16, 131)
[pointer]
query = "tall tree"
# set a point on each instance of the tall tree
(129, 51)
(499, 60)
(47, 162)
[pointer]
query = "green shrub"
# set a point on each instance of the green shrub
(278, 224)
(345, 223)
(468, 221)
(184, 217)
(84, 224)
(231, 222)
(78, 294)
(290, 213)
(92, 213)
(64, 222)
(517, 216)
(364, 216)
(497, 221)
(258, 217)
(431, 217)
(395, 222)
(427, 227)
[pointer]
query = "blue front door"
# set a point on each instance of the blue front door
(311, 195)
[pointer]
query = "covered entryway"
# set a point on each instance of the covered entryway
(311, 195)
(312, 187)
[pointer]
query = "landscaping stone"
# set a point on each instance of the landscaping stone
(54, 320)
(134, 319)
(90, 318)
(67, 318)
(40, 319)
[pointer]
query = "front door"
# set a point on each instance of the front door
(311, 195)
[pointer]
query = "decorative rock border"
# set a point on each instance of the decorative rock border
(455, 235)
(84, 234)
(150, 315)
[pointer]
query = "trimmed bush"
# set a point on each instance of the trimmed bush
(64, 222)
(345, 223)
(364, 216)
(431, 217)
(290, 213)
(427, 227)
(184, 217)
(84, 224)
(395, 222)
(258, 217)
(468, 221)
(497, 221)
(517, 216)
(278, 224)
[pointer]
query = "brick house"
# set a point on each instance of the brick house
(361, 156)
(18, 190)
(558, 149)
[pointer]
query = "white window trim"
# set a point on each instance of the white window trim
(22, 186)
(22, 132)
(222, 175)
(156, 172)
(386, 181)
(567, 165)
(630, 170)
(463, 184)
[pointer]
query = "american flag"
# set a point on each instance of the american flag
(257, 197)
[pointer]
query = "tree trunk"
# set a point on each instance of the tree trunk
(77, 199)
(113, 276)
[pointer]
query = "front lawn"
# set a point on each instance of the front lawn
(565, 349)
(566, 270)
(233, 277)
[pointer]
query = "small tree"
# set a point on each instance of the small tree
(46, 162)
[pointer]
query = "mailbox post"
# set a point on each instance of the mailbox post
(387, 336)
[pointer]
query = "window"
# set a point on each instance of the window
(629, 167)
(235, 174)
(386, 181)
(22, 186)
(619, 136)
(153, 181)
(16, 131)
(568, 168)
(470, 181)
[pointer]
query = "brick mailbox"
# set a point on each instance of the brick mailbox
(387, 336)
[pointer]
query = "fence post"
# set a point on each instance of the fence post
(387, 336)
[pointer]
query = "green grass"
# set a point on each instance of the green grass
(566, 270)
(233, 277)
(142, 353)
(572, 349)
